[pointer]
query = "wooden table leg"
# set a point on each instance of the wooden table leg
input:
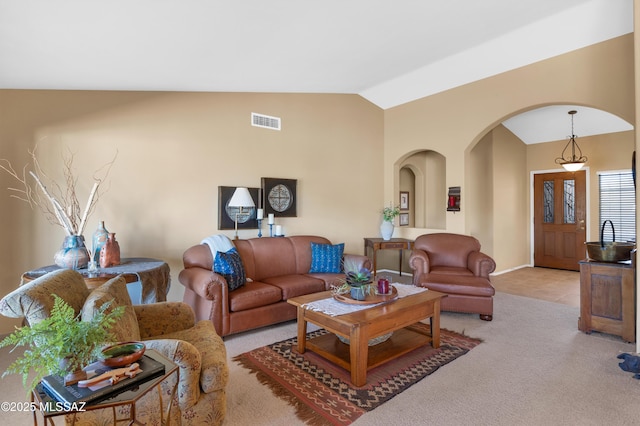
(359, 354)
(302, 331)
(375, 263)
(435, 325)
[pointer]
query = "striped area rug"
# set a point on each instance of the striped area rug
(322, 392)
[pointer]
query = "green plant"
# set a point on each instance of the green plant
(388, 213)
(359, 277)
(355, 276)
(61, 336)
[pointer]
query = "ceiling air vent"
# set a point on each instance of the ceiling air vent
(261, 120)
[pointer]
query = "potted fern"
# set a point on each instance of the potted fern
(61, 344)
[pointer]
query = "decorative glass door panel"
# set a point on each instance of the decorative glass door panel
(548, 201)
(569, 201)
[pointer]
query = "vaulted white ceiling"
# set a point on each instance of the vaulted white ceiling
(388, 52)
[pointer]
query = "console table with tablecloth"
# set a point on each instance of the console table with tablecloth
(153, 276)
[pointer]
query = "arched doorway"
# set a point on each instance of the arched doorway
(422, 175)
(499, 185)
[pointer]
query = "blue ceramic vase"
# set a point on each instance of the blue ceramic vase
(73, 253)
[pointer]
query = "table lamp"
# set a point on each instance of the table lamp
(240, 199)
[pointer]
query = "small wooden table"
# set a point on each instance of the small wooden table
(48, 408)
(608, 298)
(376, 244)
(359, 327)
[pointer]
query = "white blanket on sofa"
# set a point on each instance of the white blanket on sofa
(218, 243)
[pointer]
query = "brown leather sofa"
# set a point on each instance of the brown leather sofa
(276, 268)
(453, 264)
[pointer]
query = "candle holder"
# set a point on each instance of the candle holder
(259, 228)
(271, 229)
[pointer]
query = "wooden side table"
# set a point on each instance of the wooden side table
(48, 408)
(607, 298)
(376, 244)
(153, 274)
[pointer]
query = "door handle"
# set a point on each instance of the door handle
(580, 225)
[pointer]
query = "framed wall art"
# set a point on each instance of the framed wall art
(404, 219)
(227, 215)
(279, 196)
(404, 200)
(453, 199)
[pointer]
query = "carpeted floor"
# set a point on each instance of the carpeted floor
(533, 367)
(322, 393)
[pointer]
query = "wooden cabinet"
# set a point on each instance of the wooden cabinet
(607, 299)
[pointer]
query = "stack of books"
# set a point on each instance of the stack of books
(54, 386)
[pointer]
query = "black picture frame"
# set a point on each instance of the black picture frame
(226, 218)
(404, 219)
(453, 199)
(288, 197)
(404, 200)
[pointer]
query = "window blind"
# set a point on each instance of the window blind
(618, 204)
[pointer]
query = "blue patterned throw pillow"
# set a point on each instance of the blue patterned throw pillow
(229, 265)
(326, 258)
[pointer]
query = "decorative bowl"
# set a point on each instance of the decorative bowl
(372, 342)
(122, 354)
(609, 251)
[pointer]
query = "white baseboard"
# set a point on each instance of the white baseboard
(511, 269)
(393, 271)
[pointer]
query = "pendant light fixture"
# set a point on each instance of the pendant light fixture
(576, 160)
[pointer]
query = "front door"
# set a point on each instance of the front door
(559, 219)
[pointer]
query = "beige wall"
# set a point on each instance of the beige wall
(498, 192)
(480, 192)
(453, 122)
(174, 150)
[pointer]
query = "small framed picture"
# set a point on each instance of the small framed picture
(404, 219)
(404, 200)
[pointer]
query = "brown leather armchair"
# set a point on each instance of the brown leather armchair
(453, 264)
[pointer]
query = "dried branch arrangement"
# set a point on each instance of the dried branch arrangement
(58, 203)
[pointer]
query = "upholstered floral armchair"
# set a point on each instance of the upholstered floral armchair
(168, 327)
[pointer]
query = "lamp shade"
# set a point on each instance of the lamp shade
(241, 198)
(573, 167)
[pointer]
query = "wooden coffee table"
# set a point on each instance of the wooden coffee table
(359, 327)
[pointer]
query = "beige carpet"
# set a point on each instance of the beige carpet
(533, 368)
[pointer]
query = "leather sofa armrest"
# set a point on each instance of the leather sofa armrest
(204, 282)
(419, 262)
(155, 319)
(481, 264)
(213, 288)
(358, 260)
